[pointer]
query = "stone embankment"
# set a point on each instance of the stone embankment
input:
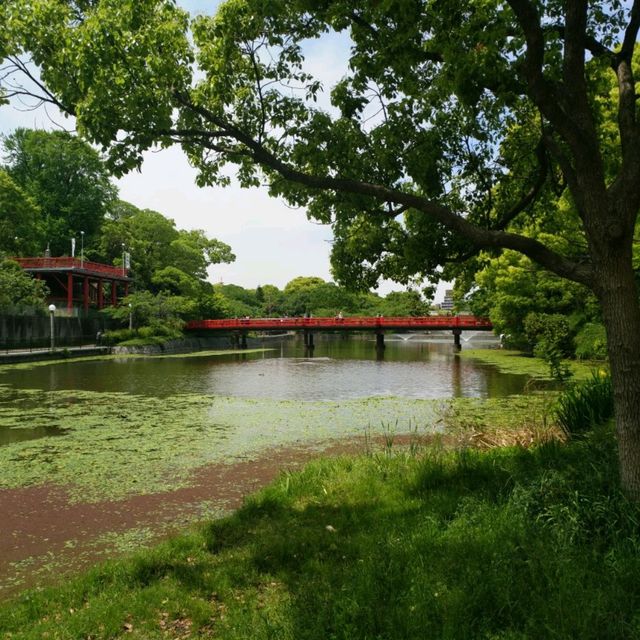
(183, 345)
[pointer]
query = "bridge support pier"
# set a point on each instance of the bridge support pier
(243, 340)
(456, 339)
(308, 340)
(380, 340)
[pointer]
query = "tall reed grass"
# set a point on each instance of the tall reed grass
(585, 404)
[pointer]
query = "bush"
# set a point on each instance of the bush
(550, 336)
(586, 404)
(116, 336)
(156, 333)
(591, 342)
(548, 332)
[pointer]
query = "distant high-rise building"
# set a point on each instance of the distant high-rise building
(447, 303)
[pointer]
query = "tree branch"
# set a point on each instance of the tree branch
(631, 32)
(481, 238)
(624, 187)
(530, 196)
(544, 93)
(47, 96)
(593, 46)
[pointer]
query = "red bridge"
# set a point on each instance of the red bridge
(240, 326)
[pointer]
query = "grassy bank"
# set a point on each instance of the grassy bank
(508, 543)
(517, 362)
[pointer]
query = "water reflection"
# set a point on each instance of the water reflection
(413, 367)
(10, 435)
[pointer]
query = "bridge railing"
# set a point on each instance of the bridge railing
(65, 264)
(355, 322)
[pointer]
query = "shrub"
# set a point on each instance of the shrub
(591, 342)
(116, 336)
(550, 335)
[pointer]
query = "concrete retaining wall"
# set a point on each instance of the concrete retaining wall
(34, 330)
(187, 345)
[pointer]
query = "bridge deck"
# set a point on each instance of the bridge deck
(343, 324)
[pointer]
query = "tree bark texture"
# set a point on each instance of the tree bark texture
(618, 294)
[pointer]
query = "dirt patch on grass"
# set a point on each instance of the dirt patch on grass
(46, 534)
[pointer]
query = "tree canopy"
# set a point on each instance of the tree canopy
(20, 231)
(451, 124)
(18, 290)
(68, 180)
(161, 254)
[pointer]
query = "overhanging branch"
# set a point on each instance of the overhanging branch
(479, 237)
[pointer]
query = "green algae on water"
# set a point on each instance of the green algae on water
(117, 444)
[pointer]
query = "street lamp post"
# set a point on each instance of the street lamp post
(82, 249)
(123, 258)
(52, 310)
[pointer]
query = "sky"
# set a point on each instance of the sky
(273, 243)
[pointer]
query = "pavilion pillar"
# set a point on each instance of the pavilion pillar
(126, 289)
(100, 294)
(85, 293)
(69, 291)
(114, 293)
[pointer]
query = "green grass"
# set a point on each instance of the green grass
(516, 362)
(510, 543)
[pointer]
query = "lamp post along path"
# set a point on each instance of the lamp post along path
(52, 310)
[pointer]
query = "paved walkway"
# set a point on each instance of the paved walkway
(31, 355)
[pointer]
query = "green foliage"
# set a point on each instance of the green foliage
(591, 342)
(458, 128)
(510, 287)
(501, 544)
(315, 296)
(551, 338)
(19, 291)
(160, 311)
(586, 404)
(404, 303)
(67, 179)
(163, 257)
(20, 223)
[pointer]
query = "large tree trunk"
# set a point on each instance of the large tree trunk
(618, 294)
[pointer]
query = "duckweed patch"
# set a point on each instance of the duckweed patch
(116, 444)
